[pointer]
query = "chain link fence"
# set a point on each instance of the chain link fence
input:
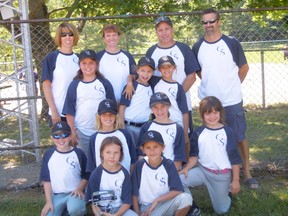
(264, 89)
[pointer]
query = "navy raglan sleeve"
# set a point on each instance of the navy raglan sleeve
(93, 184)
(48, 66)
(191, 64)
(131, 146)
(70, 100)
(195, 50)
(126, 188)
(91, 160)
(179, 145)
(181, 99)
(151, 50)
(45, 173)
(174, 180)
(132, 63)
(194, 149)
(83, 163)
(136, 177)
(231, 147)
(109, 90)
(124, 100)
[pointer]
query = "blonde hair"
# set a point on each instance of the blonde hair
(67, 26)
(99, 123)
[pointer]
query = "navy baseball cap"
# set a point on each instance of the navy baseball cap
(146, 61)
(159, 97)
(87, 54)
(166, 60)
(163, 19)
(61, 126)
(107, 105)
(152, 136)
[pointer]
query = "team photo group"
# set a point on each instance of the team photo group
(123, 135)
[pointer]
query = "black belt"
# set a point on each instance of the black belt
(133, 123)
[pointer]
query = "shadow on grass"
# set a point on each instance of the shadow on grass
(268, 138)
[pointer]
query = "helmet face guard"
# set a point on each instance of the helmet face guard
(103, 199)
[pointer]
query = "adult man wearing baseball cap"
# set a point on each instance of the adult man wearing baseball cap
(182, 55)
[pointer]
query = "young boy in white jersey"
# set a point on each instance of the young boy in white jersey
(157, 189)
(134, 112)
(63, 175)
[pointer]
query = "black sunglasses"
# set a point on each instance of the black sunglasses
(63, 135)
(205, 22)
(64, 34)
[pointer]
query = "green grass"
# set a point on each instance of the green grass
(269, 57)
(270, 199)
(267, 134)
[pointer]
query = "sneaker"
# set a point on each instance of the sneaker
(194, 211)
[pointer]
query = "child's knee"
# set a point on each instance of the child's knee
(78, 209)
(184, 200)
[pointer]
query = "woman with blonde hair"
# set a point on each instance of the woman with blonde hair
(58, 70)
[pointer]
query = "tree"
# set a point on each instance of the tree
(43, 9)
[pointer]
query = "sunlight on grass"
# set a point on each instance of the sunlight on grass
(257, 150)
(19, 181)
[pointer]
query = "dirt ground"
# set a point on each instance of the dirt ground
(19, 177)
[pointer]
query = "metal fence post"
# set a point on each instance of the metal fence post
(263, 79)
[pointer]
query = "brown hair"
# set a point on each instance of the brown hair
(110, 28)
(79, 75)
(208, 105)
(67, 26)
(211, 10)
(111, 140)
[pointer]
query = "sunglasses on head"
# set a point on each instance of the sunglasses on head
(205, 22)
(64, 34)
(63, 135)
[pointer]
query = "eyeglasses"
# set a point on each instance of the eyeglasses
(205, 22)
(64, 34)
(63, 135)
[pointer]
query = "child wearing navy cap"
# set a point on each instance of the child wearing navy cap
(107, 125)
(172, 132)
(157, 188)
(135, 111)
(84, 94)
(63, 174)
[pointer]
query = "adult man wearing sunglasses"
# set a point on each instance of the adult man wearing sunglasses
(223, 69)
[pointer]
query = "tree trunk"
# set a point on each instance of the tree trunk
(41, 41)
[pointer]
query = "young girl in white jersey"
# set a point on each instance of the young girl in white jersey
(107, 125)
(214, 159)
(172, 132)
(84, 94)
(109, 186)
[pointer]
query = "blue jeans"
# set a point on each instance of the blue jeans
(75, 206)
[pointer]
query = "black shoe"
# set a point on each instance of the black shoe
(194, 211)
